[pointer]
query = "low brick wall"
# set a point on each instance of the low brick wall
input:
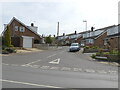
(93, 50)
(112, 57)
(44, 46)
(41, 46)
(90, 50)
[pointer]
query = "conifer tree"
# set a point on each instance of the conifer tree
(7, 37)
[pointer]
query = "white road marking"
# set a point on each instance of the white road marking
(45, 67)
(66, 68)
(51, 55)
(113, 72)
(31, 62)
(56, 61)
(31, 84)
(77, 69)
(54, 68)
(89, 70)
(55, 54)
(101, 71)
(25, 65)
(35, 66)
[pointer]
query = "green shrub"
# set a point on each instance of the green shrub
(7, 37)
(93, 56)
(87, 47)
(5, 52)
(98, 54)
(12, 46)
(95, 47)
(119, 54)
(3, 47)
(11, 50)
(113, 52)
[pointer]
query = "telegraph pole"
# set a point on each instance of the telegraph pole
(58, 29)
(57, 33)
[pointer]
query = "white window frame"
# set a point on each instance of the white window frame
(16, 28)
(22, 29)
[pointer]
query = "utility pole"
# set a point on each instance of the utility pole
(57, 33)
(58, 29)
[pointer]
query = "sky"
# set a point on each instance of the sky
(69, 13)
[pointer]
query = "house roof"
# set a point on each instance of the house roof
(101, 34)
(22, 24)
(117, 34)
(105, 27)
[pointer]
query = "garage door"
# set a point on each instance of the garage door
(27, 42)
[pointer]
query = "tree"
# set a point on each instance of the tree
(7, 37)
(48, 39)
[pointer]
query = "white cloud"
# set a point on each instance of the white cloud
(70, 13)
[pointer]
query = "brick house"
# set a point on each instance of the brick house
(99, 40)
(22, 35)
(112, 39)
(96, 38)
(67, 39)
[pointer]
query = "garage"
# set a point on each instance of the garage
(27, 42)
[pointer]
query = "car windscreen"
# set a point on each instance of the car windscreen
(74, 44)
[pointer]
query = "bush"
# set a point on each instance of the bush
(93, 56)
(87, 47)
(11, 46)
(98, 54)
(95, 47)
(3, 47)
(5, 52)
(114, 52)
(10, 50)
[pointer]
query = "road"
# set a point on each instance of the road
(57, 68)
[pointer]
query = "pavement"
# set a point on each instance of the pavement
(27, 50)
(22, 51)
(57, 68)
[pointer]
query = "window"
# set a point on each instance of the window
(16, 28)
(22, 29)
(89, 41)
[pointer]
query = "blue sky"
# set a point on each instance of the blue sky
(70, 13)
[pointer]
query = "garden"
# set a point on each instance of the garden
(6, 43)
(103, 54)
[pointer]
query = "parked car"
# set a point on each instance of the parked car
(74, 47)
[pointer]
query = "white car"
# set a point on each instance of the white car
(74, 47)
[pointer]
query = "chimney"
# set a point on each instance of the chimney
(92, 28)
(63, 34)
(5, 25)
(75, 32)
(32, 24)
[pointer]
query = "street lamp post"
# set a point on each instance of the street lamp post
(86, 24)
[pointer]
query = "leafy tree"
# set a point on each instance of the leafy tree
(48, 39)
(7, 37)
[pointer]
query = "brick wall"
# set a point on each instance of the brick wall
(100, 40)
(18, 33)
(113, 42)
